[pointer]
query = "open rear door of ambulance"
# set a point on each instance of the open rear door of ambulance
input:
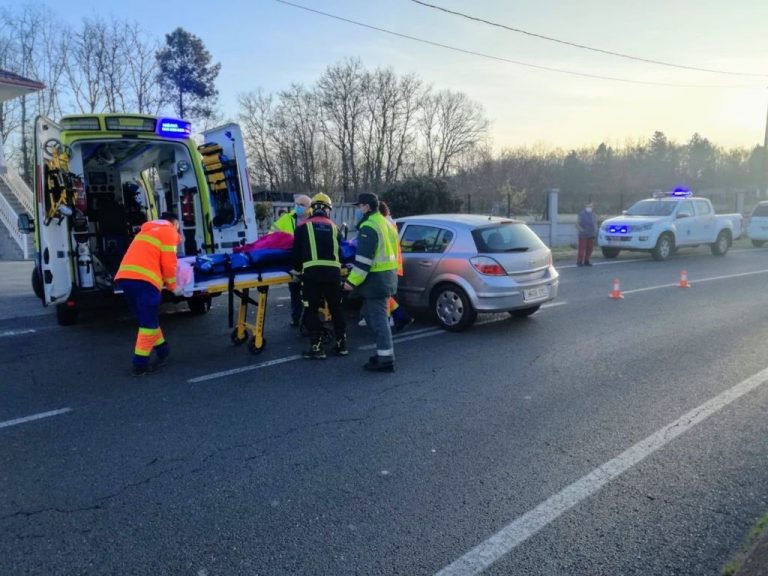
(233, 220)
(54, 208)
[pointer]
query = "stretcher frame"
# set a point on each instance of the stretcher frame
(239, 285)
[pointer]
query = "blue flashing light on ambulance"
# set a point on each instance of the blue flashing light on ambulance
(99, 177)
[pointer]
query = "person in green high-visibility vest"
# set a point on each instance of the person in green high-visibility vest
(288, 222)
(374, 277)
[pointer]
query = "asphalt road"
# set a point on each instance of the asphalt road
(596, 437)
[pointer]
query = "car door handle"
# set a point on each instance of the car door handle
(425, 263)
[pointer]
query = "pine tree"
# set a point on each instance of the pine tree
(186, 75)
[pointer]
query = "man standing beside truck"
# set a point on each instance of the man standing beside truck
(148, 265)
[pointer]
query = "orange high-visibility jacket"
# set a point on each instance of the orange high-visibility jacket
(152, 255)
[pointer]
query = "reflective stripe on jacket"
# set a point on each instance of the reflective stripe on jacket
(376, 248)
(151, 257)
(316, 249)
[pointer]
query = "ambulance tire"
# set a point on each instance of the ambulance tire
(37, 282)
(257, 349)
(66, 315)
(199, 305)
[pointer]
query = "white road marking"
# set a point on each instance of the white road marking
(696, 281)
(243, 369)
(410, 335)
(515, 533)
(17, 332)
(34, 417)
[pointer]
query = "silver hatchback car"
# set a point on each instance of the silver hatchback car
(457, 265)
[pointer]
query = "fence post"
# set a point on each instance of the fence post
(552, 195)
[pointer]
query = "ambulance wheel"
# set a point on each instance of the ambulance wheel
(199, 305)
(66, 315)
(37, 282)
(257, 349)
(238, 339)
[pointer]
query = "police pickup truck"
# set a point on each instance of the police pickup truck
(666, 222)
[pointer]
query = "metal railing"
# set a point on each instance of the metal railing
(10, 219)
(20, 189)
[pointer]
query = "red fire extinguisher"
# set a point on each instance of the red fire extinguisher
(187, 206)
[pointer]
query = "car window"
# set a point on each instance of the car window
(686, 207)
(506, 237)
(760, 210)
(421, 238)
(703, 207)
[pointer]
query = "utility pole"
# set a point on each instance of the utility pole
(765, 158)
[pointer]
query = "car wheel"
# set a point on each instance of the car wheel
(452, 308)
(610, 252)
(758, 243)
(665, 246)
(37, 282)
(722, 243)
(524, 312)
(66, 315)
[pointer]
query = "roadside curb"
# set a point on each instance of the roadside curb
(752, 560)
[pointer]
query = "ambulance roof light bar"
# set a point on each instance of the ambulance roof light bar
(174, 128)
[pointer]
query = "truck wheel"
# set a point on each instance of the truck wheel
(37, 282)
(66, 315)
(610, 252)
(665, 246)
(755, 243)
(722, 243)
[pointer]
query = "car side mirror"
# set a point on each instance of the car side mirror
(26, 224)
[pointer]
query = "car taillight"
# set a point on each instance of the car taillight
(487, 266)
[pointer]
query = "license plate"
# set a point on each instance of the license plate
(618, 238)
(536, 293)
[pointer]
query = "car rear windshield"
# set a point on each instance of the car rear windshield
(760, 210)
(506, 237)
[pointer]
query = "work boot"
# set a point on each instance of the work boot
(316, 351)
(340, 349)
(379, 364)
(138, 371)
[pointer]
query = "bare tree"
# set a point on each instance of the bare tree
(114, 71)
(450, 125)
(86, 64)
(256, 117)
(341, 97)
(140, 79)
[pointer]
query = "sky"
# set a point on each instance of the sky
(270, 45)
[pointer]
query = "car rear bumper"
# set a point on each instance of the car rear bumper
(503, 298)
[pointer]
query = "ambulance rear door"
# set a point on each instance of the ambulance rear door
(54, 196)
(233, 219)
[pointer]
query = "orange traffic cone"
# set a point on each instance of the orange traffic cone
(684, 279)
(616, 292)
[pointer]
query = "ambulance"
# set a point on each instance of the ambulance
(99, 177)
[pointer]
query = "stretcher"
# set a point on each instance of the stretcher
(239, 285)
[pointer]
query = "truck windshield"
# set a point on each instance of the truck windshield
(652, 208)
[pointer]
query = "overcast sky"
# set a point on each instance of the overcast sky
(267, 44)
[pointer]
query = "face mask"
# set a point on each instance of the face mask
(300, 210)
(589, 209)
(358, 214)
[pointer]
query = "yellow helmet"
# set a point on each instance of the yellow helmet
(322, 201)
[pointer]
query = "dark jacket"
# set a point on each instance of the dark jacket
(587, 224)
(327, 240)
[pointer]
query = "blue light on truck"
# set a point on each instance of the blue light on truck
(680, 192)
(614, 229)
(173, 128)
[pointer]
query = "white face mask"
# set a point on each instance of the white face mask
(588, 208)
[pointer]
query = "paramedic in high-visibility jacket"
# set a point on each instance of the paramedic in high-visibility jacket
(148, 265)
(316, 257)
(374, 277)
(288, 223)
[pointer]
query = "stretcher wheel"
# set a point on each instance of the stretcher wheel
(237, 340)
(257, 349)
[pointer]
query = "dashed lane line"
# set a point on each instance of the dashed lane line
(411, 335)
(8, 333)
(696, 281)
(515, 533)
(33, 417)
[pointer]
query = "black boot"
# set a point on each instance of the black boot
(316, 351)
(380, 364)
(340, 349)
